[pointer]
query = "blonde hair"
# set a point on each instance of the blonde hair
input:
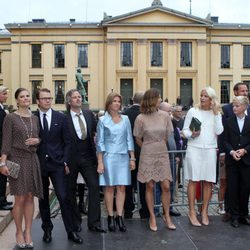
(242, 100)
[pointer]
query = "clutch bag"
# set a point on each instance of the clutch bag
(195, 124)
(13, 169)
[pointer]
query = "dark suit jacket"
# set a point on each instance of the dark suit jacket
(57, 144)
(2, 115)
(234, 139)
(91, 130)
(132, 112)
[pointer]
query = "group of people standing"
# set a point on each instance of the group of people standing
(51, 146)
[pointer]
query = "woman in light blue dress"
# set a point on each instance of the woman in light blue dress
(115, 151)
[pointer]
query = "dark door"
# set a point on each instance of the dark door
(126, 91)
(186, 88)
(157, 84)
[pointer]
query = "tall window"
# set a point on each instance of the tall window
(186, 54)
(225, 56)
(36, 55)
(59, 56)
(246, 56)
(82, 55)
(35, 85)
(127, 54)
(225, 92)
(59, 92)
(156, 54)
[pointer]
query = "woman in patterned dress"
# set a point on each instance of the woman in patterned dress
(20, 140)
(152, 128)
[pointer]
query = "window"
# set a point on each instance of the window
(59, 56)
(246, 56)
(225, 56)
(83, 56)
(225, 91)
(127, 54)
(186, 54)
(35, 85)
(36, 55)
(59, 92)
(156, 54)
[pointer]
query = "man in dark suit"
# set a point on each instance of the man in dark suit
(132, 112)
(4, 204)
(53, 154)
(237, 147)
(240, 89)
(82, 128)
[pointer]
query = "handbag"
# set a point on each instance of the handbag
(195, 124)
(13, 169)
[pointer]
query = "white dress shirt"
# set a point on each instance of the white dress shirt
(76, 123)
(48, 117)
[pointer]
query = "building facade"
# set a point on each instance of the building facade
(172, 51)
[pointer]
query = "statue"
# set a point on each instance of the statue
(81, 83)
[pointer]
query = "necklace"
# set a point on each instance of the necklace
(26, 127)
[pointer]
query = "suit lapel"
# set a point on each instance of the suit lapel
(246, 125)
(71, 126)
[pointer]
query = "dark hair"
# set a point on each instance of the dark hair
(236, 86)
(110, 99)
(18, 91)
(68, 97)
(41, 90)
(149, 101)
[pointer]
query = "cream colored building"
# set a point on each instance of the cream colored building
(153, 47)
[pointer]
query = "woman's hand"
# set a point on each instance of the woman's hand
(32, 141)
(4, 170)
(132, 164)
(100, 168)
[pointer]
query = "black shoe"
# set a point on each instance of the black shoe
(6, 207)
(97, 229)
(245, 221)
(111, 224)
(73, 236)
(10, 203)
(47, 236)
(79, 229)
(235, 223)
(120, 223)
(174, 213)
(226, 217)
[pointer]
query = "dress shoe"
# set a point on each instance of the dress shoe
(97, 229)
(6, 207)
(29, 245)
(73, 236)
(111, 224)
(245, 221)
(226, 217)
(194, 221)
(120, 223)
(20, 245)
(174, 213)
(10, 203)
(47, 236)
(235, 223)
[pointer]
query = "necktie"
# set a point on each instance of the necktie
(45, 124)
(82, 127)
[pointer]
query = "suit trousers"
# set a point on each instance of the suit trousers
(88, 169)
(238, 185)
(59, 181)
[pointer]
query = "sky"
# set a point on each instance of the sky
(14, 11)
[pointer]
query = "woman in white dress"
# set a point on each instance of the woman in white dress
(200, 160)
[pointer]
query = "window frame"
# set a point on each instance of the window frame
(38, 57)
(246, 57)
(62, 100)
(129, 61)
(226, 82)
(183, 61)
(224, 64)
(156, 56)
(85, 60)
(62, 60)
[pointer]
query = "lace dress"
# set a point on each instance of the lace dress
(154, 130)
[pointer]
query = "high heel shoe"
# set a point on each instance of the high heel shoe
(152, 228)
(194, 223)
(29, 245)
(169, 224)
(204, 220)
(20, 245)
(111, 224)
(120, 223)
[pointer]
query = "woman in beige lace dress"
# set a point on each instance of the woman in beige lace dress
(152, 128)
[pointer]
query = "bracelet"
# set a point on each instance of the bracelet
(2, 164)
(132, 159)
